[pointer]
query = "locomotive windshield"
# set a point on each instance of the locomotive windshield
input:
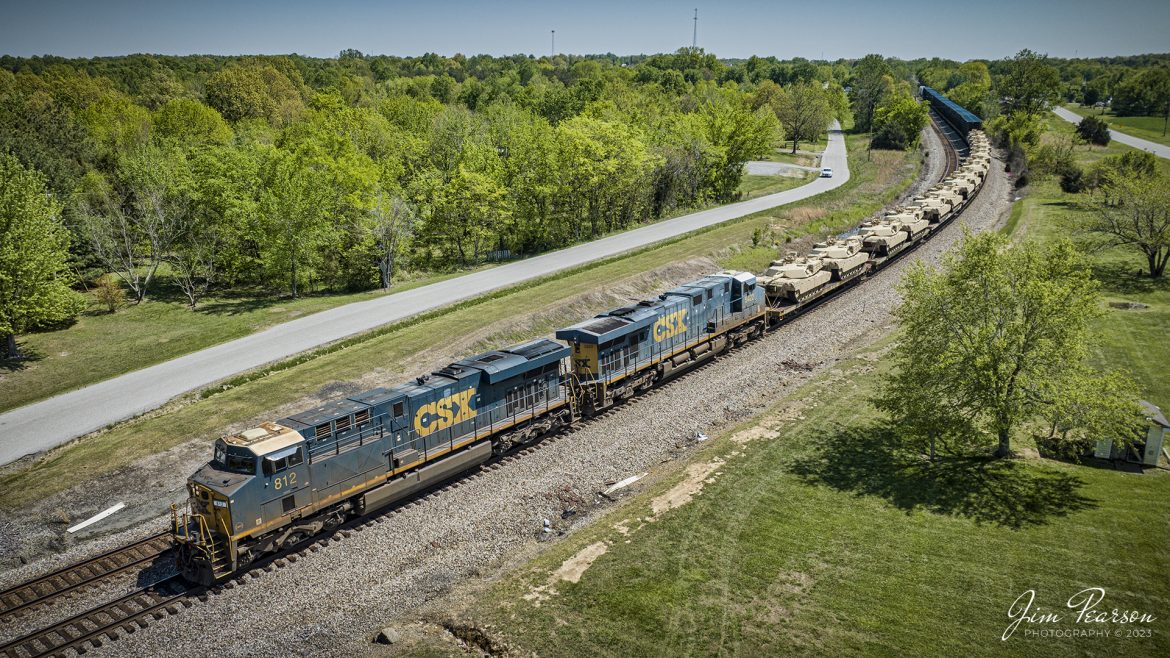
(236, 461)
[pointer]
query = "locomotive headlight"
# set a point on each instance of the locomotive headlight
(220, 503)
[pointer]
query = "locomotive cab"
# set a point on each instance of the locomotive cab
(254, 480)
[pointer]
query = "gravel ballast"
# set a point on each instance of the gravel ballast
(334, 600)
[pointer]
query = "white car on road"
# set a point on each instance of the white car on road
(826, 172)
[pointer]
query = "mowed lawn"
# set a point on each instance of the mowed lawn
(757, 186)
(874, 183)
(824, 538)
(1148, 128)
(101, 345)
(1137, 341)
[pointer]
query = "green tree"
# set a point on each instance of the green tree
(191, 123)
(34, 278)
(131, 223)
(994, 339)
(975, 89)
(870, 83)
(1145, 93)
(1094, 130)
(1135, 213)
(804, 112)
(254, 91)
(739, 134)
(1029, 84)
(898, 122)
(293, 212)
(392, 222)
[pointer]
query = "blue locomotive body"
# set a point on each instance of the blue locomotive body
(279, 483)
(628, 349)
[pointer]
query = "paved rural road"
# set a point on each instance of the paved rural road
(1157, 149)
(49, 423)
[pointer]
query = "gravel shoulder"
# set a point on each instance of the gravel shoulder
(333, 600)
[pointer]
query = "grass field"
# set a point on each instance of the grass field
(1149, 128)
(396, 349)
(1135, 340)
(101, 345)
(822, 537)
(757, 186)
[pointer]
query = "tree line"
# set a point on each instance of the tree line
(290, 173)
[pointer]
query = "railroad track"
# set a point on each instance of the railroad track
(126, 614)
(954, 144)
(50, 587)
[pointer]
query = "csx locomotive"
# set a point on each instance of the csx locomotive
(278, 484)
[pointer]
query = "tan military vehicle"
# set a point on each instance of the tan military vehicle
(794, 278)
(844, 259)
(913, 224)
(932, 207)
(947, 196)
(881, 237)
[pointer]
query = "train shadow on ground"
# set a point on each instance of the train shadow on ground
(871, 461)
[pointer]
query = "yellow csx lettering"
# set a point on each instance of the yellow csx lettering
(670, 325)
(441, 414)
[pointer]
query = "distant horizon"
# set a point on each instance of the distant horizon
(904, 29)
(565, 54)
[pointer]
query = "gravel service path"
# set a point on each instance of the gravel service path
(1160, 150)
(332, 601)
(52, 422)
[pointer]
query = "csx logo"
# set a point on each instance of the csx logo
(441, 414)
(670, 325)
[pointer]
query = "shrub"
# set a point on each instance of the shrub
(109, 292)
(1073, 179)
(1094, 131)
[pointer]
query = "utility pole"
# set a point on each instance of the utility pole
(695, 32)
(553, 52)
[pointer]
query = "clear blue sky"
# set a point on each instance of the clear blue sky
(842, 28)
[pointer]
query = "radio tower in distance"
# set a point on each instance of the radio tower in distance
(695, 32)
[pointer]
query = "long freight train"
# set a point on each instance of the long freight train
(278, 484)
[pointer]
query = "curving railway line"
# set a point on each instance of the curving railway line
(137, 609)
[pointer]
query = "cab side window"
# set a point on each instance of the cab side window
(273, 466)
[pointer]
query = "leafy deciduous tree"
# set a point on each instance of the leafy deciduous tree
(994, 339)
(1030, 83)
(34, 288)
(1094, 130)
(1136, 213)
(804, 112)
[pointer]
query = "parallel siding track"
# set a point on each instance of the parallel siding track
(50, 587)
